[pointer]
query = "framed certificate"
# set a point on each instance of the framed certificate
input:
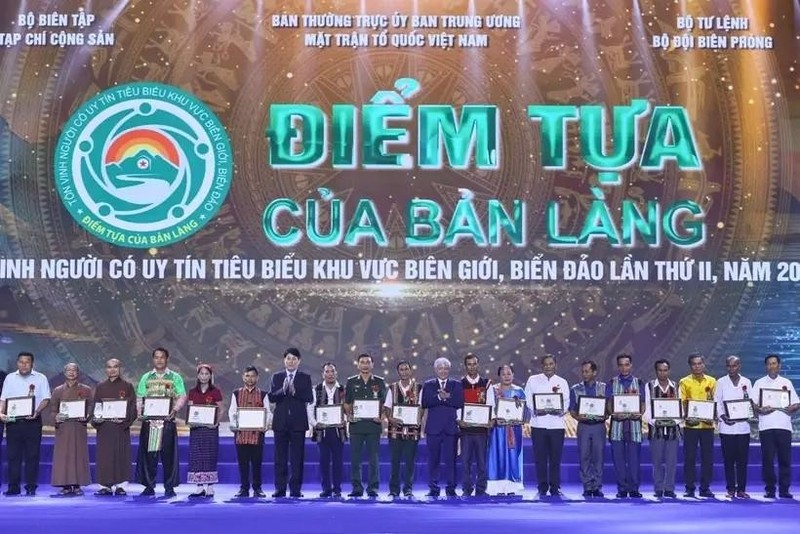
(701, 410)
(739, 410)
(366, 409)
(410, 414)
(476, 414)
(157, 407)
(20, 406)
(73, 410)
(114, 409)
(627, 404)
(773, 398)
(548, 402)
(509, 411)
(592, 406)
(330, 416)
(202, 414)
(251, 419)
(666, 409)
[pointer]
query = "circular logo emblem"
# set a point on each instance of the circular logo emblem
(143, 165)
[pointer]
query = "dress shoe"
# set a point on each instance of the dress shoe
(670, 495)
(325, 494)
(372, 494)
(11, 492)
(355, 493)
(730, 495)
(635, 494)
(785, 495)
(197, 494)
(742, 495)
(120, 492)
(689, 494)
(769, 495)
(707, 493)
(259, 494)
(279, 495)
(242, 494)
(103, 492)
(148, 492)
(622, 494)
(296, 495)
(659, 494)
(598, 493)
(408, 493)
(466, 492)
(337, 494)
(77, 492)
(588, 493)
(169, 493)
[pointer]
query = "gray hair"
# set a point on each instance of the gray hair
(441, 362)
(732, 358)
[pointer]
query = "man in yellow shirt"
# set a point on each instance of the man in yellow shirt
(697, 386)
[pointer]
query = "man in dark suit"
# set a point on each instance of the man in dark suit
(291, 391)
(442, 397)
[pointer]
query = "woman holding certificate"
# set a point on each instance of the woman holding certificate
(203, 418)
(504, 465)
(70, 404)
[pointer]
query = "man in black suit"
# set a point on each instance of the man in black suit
(291, 392)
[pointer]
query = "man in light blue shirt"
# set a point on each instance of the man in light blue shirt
(24, 434)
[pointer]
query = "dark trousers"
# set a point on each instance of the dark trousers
(289, 445)
(547, 448)
(735, 449)
(441, 460)
(473, 450)
(2, 430)
(357, 442)
(626, 456)
(24, 442)
(250, 458)
(775, 442)
(591, 449)
(147, 462)
(405, 451)
(331, 448)
(691, 439)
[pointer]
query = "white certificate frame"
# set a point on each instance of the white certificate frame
(72, 410)
(156, 407)
(410, 414)
(115, 408)
(201, 415)
(739, 410)
(555, 404)
(366, 409)
(626, 404)
(20, 406)
(476, 415)
(778, 399)
(251, 418)
(508, 412)
(666, 408)
(592, 406)
(330, 415)
(701, 410)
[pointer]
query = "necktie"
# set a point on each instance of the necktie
(442, 384)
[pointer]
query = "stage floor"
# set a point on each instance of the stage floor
(95, 515)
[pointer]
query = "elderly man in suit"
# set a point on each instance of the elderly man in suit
(442, 397)
(291, 391)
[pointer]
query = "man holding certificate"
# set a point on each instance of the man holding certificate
(442, 397)
(735, 410)
(249, 417)
(587, 405)
(364, 397)
(663, 413)
(291, 392)
(404, 413)
(548, 395)
(114, 413)
(26, 394)
(330, 432)
(160, 395)
(70, 404)
(626, 405)
(777, 402)
(697, 390)
(474, 438)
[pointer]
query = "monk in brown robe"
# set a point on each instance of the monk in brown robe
(114, 435)
(71, 454)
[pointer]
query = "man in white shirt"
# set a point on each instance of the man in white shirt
(24, 433)
(664, 434)
(734, 434)
(547, 427)
(775, 427)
